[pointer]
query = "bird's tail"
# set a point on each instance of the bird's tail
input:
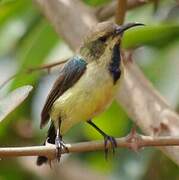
(51, 139)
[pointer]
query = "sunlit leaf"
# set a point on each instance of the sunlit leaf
(113, 121)
(12, 100)
(12, 10)
(33, 51)
(96, 2)
(154, 35)
(6, 1)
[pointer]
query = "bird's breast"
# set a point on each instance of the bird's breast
(92, 94)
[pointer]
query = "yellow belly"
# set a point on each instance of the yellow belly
(92, 94)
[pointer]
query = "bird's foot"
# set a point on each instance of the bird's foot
(109, 143)
(61, 147)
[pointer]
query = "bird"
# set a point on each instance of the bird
(86, 85)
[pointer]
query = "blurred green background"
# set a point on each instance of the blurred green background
(28, 40)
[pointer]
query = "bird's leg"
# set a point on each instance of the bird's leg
(107, 139)
(60, 145)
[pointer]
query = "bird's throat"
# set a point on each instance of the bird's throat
(114, 66)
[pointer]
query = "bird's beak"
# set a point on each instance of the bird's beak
(121, 29)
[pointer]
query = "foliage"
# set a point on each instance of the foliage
(28, 40)
(10, 102)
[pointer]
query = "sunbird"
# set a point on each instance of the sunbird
(86, 85)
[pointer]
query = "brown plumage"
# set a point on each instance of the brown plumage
(71, 72)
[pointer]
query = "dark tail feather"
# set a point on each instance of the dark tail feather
(51, 139)
(41, 160)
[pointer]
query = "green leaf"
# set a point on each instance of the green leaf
(154, 35)
(113, 121)
(12, 100)
(6, 1)
(12, 10)
(33, 51)
(96, 2)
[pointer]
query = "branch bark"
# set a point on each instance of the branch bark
(107, 11)
(147, 108)
(120, 11)
(134, 143)
(68, 18)
(47, 67)
(138, 97)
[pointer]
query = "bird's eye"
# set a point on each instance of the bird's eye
(102, 39)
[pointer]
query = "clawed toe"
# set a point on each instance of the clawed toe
(60, 146)
(112, 142)
(112, 145)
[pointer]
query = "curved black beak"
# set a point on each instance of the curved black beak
(121, 29)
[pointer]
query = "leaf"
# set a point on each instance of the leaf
(154, 35)
(9, 11)
(6, 1)
(33, 51)
(113, 121)
(12, 100)
(96, 2)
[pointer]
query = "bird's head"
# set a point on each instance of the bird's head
(102, 39)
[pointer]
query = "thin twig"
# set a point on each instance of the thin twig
(120, 12)
(134, 143)
(8, 80)
(156, 4)
(47, 67)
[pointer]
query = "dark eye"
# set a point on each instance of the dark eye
(102, 39)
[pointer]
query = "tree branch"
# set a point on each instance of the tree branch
(78, 16)
(107, 11)
(137, 96)
(30, 70)
(47, 67)
(135, 143)
(120, 11)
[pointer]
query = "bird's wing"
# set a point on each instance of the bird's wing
(70, 74)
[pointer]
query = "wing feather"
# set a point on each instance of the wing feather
(70, 74)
